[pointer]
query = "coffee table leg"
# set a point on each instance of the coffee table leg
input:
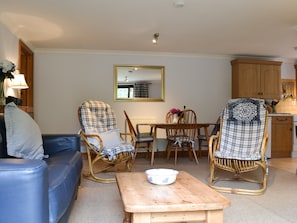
(127, 218)
(214, 216)
(141, 218)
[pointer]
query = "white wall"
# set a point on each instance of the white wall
(8, 45)
(8, 51)
(288, 70)
(63, 80)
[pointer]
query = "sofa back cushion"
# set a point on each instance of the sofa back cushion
(22, 133)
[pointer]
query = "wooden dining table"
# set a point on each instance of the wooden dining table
(166, 126)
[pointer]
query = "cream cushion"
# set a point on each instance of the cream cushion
(22, 133)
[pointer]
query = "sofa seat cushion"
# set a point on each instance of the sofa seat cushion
(63, 181)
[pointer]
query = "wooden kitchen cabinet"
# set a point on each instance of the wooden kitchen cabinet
(281, 136)
(256, 79)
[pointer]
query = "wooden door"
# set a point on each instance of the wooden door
(25, 64)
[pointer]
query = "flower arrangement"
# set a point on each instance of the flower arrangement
(6, 69)
(175, 111)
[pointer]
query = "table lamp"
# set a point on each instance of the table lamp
(19, 82)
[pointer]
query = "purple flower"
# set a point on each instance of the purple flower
(175, 111)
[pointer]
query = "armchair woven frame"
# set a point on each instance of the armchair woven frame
(238, 167)
(95, 157)
(97, 161)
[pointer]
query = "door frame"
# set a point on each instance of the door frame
(25, 66)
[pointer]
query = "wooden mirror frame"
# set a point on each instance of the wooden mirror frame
(132, 74)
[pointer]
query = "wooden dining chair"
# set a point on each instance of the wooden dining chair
(203, 139)
(169, 119)
(139, 140)
(183, 135)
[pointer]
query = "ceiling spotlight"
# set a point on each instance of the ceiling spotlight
(179, 3)
(155, 38)
(126, 79)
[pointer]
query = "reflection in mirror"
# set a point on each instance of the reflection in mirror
(138, 83)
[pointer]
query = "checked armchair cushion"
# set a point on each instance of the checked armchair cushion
(97, 117)
(242, 129)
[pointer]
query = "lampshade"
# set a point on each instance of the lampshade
(19, 82)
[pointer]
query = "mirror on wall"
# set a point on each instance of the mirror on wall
(139, 83)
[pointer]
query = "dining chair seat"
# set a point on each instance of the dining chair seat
(144, 138)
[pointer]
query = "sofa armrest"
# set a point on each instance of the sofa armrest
(23, 191)
(54, 143)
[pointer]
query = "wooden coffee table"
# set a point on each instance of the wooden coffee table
(187, 199)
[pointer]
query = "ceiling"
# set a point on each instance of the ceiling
(202, 27)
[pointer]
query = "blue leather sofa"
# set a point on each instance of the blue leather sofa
(40, 191)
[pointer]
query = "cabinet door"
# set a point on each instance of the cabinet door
(281, 136)
(270, 81)
(256, 78)
(249, 80)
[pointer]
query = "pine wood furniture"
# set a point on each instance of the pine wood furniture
(183, 137)
(187, 199)
(203, 139)
(167, 126)
(256, 79)
(139, 140)
(281, 136)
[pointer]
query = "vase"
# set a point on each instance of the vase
(175, 118)
(2, 96)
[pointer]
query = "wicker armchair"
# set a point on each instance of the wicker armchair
(239, 147)
(104, 145)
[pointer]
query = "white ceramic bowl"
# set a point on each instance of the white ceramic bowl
(161, 176)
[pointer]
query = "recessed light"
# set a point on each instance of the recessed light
(179, 3)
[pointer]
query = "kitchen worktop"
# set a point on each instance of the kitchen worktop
(280, 114)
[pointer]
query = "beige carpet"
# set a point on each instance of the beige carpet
(102, 203)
